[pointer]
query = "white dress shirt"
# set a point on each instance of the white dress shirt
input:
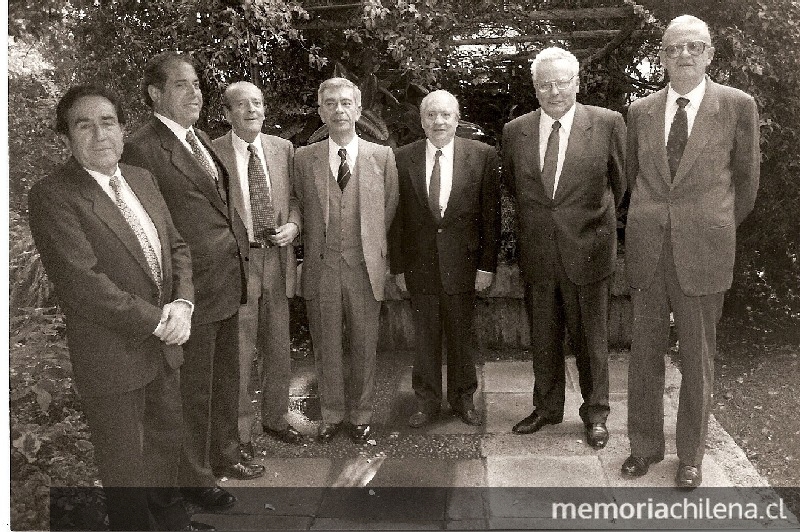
(695, 97)
(180, 132)
(242, 156)
(446, 170)
(545, 127)
(333, 155)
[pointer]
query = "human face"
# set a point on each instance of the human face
(554, 101)
(180, 99)
(95, 134)
(686, 71)
(340, 112)
(440, 119)
(244, 110)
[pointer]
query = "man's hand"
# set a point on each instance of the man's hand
(400, 281)
(483, 280)
(176, 323)
(285, 234)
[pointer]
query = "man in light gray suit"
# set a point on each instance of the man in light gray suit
(260, 169)
(348, 195)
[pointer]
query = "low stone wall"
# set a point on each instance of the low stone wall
(501, 321)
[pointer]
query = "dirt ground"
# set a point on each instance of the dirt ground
(756, 396)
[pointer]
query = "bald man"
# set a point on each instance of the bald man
(443, 249)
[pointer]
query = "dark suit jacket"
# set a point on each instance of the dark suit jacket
(212, 228)
(468, 236)
(102, 278)
(377, 179)
(279, 155)
(713, 190)
(580, 222)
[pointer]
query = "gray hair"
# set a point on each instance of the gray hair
(443, 93)
(555, 53)
(233, 87)
(689, 20)
(338, 83)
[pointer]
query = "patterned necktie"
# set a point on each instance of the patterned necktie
(551, 161)
(344, 170)
(260, 198)
(197, 151)
(434, 190)
(678, 135)
(141, 236)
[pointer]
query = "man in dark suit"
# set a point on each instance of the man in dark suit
(123, 278)
(443, 247)
(195, 188)
(347, 188)
(260, 169)
(693, 171)
(564, 165)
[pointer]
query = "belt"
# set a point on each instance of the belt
(261, 245)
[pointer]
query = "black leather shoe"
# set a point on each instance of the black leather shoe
(242, 471)
(532, 423)
(197, 525)
(636, 466)
(420, 419)
(286, 435)
(246, 452)
(688, 477)
(596, 435)
(360, 433)
(327, 431)
(469, 416)
(212, 499)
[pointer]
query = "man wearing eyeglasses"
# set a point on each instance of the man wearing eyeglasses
(564, 165)
(693, 171)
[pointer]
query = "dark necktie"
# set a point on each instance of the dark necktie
(344, 171)
(260, 199)
(678, 135)
(551, 161)
(141, 236)
(435, 188)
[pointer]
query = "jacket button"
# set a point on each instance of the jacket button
(439, 230)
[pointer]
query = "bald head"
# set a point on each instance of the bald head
(439, 116)
(685, 23)
(686, 52)
(243, 106)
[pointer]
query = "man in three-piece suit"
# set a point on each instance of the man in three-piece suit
(195, 188)
(347, 188)
(443, 247)
(693, 171)
(260, 169)
(123, 278)
(564, 165)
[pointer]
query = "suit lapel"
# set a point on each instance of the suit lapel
(417, 172)
(656, 135)
(706, 123)
(532, 154)
(577, 144)
(185, 162)
(322, 176)
(461, 172)
(107, 211)
(227, 156)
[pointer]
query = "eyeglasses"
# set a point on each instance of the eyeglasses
(693, 47)
(560, 84)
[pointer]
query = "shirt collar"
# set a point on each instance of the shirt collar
(102, 179)
(565, 121)
(351, 147)
(447, 149)
(175, 127)
(695, 96)
(240, 145)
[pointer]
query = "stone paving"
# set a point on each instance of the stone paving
(453, 476)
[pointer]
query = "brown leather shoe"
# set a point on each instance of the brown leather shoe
(596, 435)
(469, 416)
(286, 435)
(242, 471)
(211, 499)
(636, 466)
(327, 431)
(688, 477)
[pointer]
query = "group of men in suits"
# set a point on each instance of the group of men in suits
(174, 262)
